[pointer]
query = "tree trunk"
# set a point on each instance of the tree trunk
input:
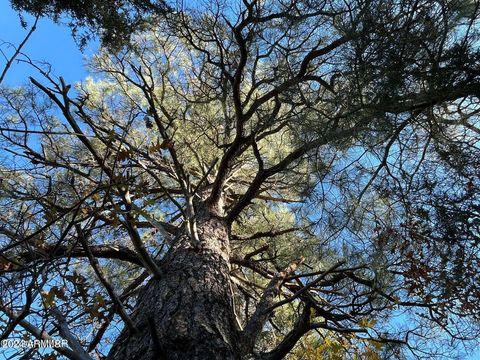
(189, 312)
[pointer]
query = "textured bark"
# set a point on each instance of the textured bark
(188, 313)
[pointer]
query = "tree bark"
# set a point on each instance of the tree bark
(189, 312)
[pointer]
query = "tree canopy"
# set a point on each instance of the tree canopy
(112, 20)
(312, 166)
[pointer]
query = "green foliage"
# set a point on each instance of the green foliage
(114, 20)
(346, 138)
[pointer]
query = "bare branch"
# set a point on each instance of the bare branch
(262, 312)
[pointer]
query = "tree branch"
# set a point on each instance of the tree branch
(18, 50)
(43, 335)
(262, 312)
(300, 328)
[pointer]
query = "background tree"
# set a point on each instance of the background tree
(259, 180)
(113, 20)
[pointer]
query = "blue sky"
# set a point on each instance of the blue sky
(50, 42)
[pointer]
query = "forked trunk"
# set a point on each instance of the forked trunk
(189, 312)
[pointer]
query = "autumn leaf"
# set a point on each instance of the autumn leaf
(366, 323)
(96, 197)
(123, 154)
